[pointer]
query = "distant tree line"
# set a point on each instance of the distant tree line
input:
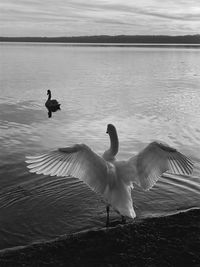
(163, 39)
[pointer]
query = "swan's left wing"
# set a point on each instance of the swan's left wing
(78, 161)
(146, 168)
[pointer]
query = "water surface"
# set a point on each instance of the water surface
(149, 93)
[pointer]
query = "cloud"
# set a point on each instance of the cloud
(80, 17)
(168, 10)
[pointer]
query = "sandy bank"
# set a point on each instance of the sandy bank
(166, 241)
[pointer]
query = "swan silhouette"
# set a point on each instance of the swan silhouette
(51, 104)
(111, 178)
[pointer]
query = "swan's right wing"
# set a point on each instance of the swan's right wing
(78, 161)
(146, 167)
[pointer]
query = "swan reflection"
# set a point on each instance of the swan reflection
(51, 110)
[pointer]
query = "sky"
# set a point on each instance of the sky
(99, 17)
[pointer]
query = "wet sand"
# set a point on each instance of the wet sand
(166, 241)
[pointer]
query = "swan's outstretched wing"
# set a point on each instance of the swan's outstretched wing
(146, 168)
(78, 161)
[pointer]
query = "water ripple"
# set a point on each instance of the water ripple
(148, 94)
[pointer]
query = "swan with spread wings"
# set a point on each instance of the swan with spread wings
(111, 178)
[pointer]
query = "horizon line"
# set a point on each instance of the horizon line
(105, 35)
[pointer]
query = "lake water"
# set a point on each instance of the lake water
(148, 93)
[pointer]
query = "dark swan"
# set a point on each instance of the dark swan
(51, 104)
(111, 178)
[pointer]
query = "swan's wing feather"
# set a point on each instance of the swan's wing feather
(54, 102)
(78, 161)
(146, 168)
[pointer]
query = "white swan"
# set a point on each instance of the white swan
(111, 178)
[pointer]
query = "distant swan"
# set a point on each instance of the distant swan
(51, 103)
(111, 178)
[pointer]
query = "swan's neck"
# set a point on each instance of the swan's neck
(114, 143)
(49, 97)
(109, 155)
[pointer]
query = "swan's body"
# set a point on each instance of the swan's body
(111, 178)
(51, 104)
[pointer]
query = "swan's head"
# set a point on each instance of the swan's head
(111, 129)
(48, 92)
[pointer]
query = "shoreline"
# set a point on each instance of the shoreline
(190, 39)
(160, 241)
(103, 44)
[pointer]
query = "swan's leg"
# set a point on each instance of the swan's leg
(107, 219)
(123, 219)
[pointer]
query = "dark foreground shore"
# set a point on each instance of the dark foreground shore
(165, 241)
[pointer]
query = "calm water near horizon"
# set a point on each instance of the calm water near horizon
(149, 93)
